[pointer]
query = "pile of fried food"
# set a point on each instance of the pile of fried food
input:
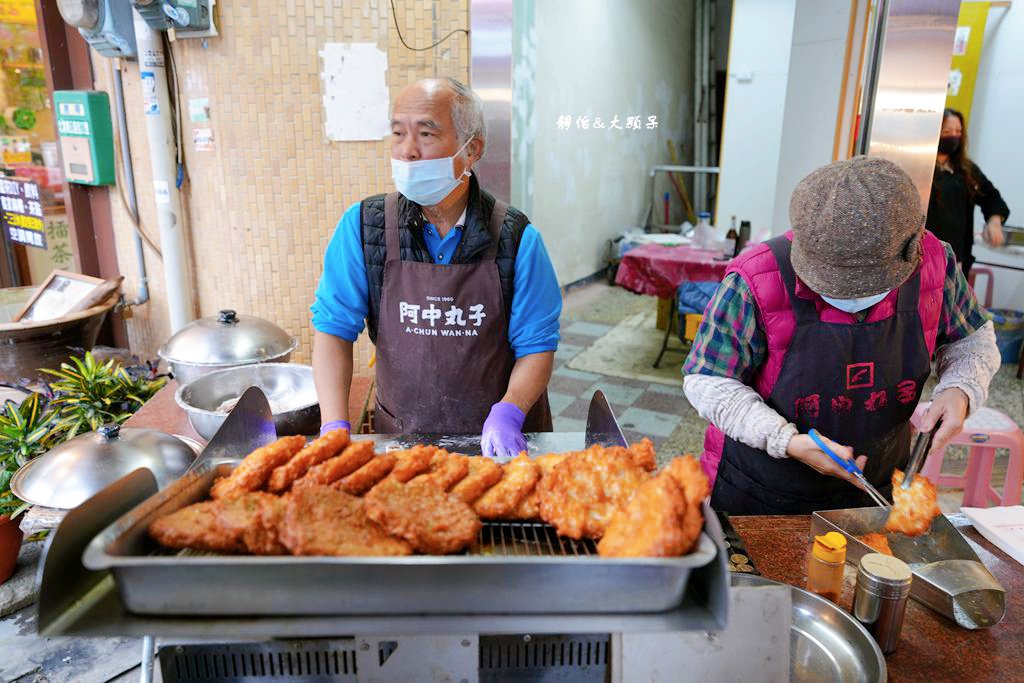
(338, 497)
(912, 511)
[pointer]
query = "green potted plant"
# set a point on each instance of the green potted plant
(26, 430)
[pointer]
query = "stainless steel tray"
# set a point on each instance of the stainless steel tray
(514, 569)
(826, 643)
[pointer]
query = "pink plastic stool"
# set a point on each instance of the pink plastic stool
(990, 283)
(984, 432)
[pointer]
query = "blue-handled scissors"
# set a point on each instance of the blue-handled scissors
(851, 467)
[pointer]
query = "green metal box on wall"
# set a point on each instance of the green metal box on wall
(86, 136)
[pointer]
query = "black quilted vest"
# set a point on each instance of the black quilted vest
(475, 240)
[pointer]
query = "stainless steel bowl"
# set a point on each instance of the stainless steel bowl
(186, 372)
(288, 387)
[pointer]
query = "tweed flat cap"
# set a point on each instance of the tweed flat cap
(857, 228)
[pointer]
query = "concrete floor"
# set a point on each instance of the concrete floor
(609, 342)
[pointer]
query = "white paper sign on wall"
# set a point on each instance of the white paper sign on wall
(356, 101)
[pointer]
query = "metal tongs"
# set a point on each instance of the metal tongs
(851, 467)
(922, 445)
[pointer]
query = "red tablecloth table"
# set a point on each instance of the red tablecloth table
(658, 271)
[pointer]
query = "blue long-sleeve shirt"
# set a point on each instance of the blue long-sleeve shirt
(341, 303)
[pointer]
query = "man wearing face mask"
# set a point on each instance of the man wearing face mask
(834, 327)
(456, 289)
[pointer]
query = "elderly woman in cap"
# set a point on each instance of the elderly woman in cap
(834, 326)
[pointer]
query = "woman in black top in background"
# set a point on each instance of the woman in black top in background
(957, 187)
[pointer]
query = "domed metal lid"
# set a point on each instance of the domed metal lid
(74, 471)
(227, 339)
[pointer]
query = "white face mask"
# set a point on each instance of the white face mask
(427, 181)
(856, 305)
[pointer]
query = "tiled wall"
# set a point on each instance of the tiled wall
(261, 208)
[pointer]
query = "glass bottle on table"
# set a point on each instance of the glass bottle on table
(730, 249)
(825, 565)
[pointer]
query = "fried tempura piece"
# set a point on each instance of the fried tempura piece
(355, 455)
(252, 473)
(433, 521)
(582, 493)
(327, 446)
(529, 508)
(319, 520)
(877, 542)
(446, 470)
(502, 499)
(196, 527)
(687, 472)
(253, 519)
(411, 462)
(914, 508)
(367, 476)
(651, 524)
(483, 474)
(644, 455)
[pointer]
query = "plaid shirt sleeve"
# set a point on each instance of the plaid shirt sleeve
(729, 342)
(961, 315)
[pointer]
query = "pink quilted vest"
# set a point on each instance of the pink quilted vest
(759, 270)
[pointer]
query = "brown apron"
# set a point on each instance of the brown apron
(443, 355)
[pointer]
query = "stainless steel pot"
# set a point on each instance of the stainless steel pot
(288, 387)
(222, 341)
(74, 471)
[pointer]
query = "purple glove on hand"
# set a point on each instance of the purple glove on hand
(335, 424)
(503, 431)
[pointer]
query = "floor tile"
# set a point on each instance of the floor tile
(668, 389)
(577, 374)
(573, 388)
(617, 393)
(649, 422)
(588, 329)
(576, 339)
(567, 424)
(566, 352)
(559, 401)
(663, 403)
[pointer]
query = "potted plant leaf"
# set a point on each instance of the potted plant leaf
(26, 430)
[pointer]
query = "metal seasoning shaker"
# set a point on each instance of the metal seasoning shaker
(880, 599)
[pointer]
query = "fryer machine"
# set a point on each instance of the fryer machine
(542, 608)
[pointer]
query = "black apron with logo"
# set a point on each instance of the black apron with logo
(857, 384)
(443, 354)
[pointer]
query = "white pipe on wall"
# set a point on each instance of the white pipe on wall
(160, 132)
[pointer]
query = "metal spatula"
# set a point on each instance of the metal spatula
(922, 445)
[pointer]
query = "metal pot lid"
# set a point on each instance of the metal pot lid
(74, 471)
(227, 339)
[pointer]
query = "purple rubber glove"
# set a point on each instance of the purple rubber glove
(335, 424)
(502, 435)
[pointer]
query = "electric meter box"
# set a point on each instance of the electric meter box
(86, 136)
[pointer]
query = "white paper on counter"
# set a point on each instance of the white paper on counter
(356, 100)
(1002, 526)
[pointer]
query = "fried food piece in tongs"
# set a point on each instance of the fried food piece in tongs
(583, 492)
(253, 519)
(877, 542)
(483, 474)
(317, 451)
(367, 476)
(357, 454)
(196, 527)
(319, 520)
(433, 521)
(520, 475)
(254, 471)
(914, 508)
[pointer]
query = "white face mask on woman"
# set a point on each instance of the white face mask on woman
(427, 181)
(861, 303)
